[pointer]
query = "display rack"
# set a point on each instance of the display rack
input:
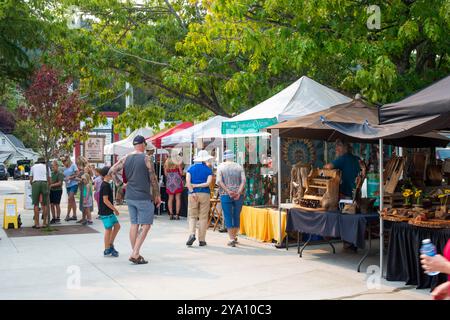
(322, 190)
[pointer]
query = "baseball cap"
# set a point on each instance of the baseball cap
(138, 140)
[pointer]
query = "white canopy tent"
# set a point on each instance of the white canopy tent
(301, 98)
(210, 128)
(122, 147)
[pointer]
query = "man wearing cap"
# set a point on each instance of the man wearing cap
(142, 193)
(198, 180)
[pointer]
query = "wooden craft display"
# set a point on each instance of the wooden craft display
(392, 173)
(322, 190)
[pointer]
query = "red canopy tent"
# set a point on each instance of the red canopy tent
(156, 139)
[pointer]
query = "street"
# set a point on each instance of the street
(73, 267)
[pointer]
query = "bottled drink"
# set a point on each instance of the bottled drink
(430, 250)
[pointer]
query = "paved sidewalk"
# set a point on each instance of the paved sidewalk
(46, 267)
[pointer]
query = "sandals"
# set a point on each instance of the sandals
(171, 217)
(177, 217)
(36, 227)
(139, 260)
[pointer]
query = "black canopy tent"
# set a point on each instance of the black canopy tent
(357, 121)
(418, 114)
(431, 104)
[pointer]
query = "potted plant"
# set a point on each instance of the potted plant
(407, 194)
(443, 197)
(417, 198)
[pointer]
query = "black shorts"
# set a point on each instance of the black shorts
(55, 196)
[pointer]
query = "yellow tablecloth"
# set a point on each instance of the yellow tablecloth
(262, 224)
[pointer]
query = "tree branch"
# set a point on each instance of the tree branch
(172, 10)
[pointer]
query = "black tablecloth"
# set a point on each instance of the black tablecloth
(403, 262)
(348, 227)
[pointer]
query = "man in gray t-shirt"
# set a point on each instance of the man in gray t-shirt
(142, 192)
(231, 180)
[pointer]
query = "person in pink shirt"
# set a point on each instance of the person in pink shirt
(439, 263)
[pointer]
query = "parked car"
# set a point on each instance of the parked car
(18, 175)
(4, 175)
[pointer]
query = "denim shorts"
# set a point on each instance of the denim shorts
(109, 221)
(141, 211)
(72, 189)
(231, 210)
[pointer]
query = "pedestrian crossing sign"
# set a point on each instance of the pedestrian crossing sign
(10, 213)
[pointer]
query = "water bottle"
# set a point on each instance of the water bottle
(430, 250)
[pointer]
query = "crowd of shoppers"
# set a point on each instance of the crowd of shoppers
(136, 173)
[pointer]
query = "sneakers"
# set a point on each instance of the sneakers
(73, 219)
(190, 240)
(231, 244)
(111, 251)
(107, 252)
(202, 243)
(114, 252)
(90, 222)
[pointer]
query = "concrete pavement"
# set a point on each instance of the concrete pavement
(73, 267)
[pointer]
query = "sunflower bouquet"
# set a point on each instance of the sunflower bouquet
(418, 196)
(407, 194)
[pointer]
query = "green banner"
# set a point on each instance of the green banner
(247, 126)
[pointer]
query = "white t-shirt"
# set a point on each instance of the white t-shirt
(39, 172)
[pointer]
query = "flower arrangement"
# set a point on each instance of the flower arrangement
(407, 194)
(418, 196)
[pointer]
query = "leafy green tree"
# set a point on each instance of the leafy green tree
(24, 26)
(195, 58)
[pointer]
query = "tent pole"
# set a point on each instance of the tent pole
(160, 164)
(381, 204)
(279, 186)
(222, 151)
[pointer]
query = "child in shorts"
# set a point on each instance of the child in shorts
(107, 213)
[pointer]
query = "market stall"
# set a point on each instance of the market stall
(418, 114)
(253, 147)
(307, 188)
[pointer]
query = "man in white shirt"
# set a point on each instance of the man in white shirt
(39, 180)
